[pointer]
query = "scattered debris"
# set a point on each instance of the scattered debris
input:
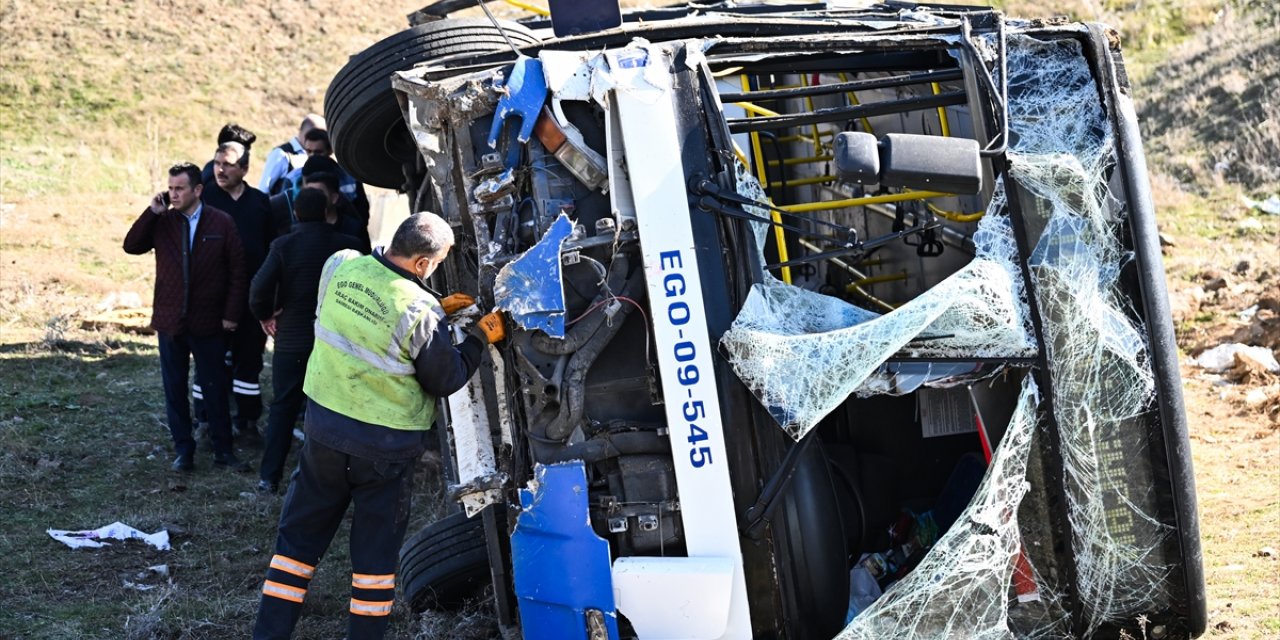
(131, 320)
(1223, 357)
(119, 300)
(91, 538)
(1216, 283)
(1248, 225)
(1270, 206)
(1255, 398)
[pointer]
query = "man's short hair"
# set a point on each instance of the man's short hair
(323, 177)
(192, 172)
(422, 234)
(232, 132)
(241, 151)
(313, 120)
(320, 164)
(318, 134)
(310, 205)
(324, 170)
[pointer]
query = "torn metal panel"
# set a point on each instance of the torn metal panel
(436, 113)
(523, 92)
(562, 570)
(530, 288)
(479, 482)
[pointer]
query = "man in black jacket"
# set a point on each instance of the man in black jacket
(283, 298)
(251, 210)
(322, 172)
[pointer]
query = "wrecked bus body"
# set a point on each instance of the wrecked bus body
(823, 323)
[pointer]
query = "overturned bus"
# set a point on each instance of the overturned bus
(824, 323)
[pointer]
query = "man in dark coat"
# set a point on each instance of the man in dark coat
(283, 298)
(251, 211)
(199, 294)
(322, 172)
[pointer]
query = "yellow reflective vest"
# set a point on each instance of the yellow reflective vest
(366, 340)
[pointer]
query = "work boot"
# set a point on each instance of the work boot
(183, 464)
(245, 433)
(231, 462)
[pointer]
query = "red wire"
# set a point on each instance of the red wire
(597, 305)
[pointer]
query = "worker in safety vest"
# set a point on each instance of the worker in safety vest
(382, 358)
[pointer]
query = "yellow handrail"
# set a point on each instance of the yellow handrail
(862, 282)
(859, 202)
(528, 7)
(778, 235)
(809, 160)
(942, 113)
(752, 107)
(803, 181)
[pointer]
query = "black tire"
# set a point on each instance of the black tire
(369, 136)
(810, 550)
(445, 564)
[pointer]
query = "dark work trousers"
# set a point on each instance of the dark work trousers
(288, 369)
(325, 482)
(242, 371)
(247, 344)
(176, 352)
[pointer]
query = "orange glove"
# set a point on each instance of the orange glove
(492, 327)
(454, 302)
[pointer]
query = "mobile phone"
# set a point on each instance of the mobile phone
(164, 197)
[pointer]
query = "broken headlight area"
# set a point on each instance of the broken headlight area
(829, 324)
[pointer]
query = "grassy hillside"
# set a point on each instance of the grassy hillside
(102, 95)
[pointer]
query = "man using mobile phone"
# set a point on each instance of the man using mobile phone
(199, 295)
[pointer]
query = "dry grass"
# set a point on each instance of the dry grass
(1211, 111)
(103, 96)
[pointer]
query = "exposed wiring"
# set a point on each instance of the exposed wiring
(648, 361)
(647, 358)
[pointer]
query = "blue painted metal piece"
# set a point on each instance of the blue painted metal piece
(530, 287)
(524, 92)
(561, 566)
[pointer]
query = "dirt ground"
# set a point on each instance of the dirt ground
(1226, 291)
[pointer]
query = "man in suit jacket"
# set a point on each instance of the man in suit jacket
(199, 295)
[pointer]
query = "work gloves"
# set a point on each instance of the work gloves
(489, 328)
(456, 302)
